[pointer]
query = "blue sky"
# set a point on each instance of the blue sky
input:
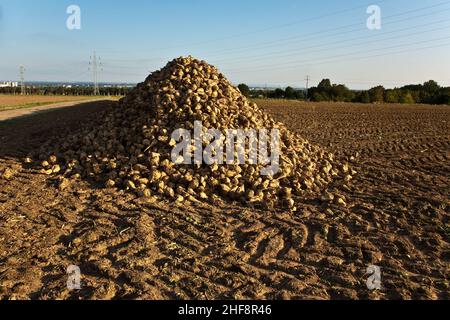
(273, 42)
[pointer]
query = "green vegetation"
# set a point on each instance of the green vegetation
(67, 91)
(428, 93)
(288, 93)
(245, 90)
(326, 91)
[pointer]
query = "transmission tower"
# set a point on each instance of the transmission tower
(307, 85)
(95, 65)
(22, 81)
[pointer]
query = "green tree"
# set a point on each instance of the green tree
(316, 96)
(406, 97)
(430, 92)
(431, 87)
(444, 96)
(391, 96)
(364, 97)
(279, 93)
(376, 94)
(289, 93)
(245, 90)
(325, 84)
(340, 92)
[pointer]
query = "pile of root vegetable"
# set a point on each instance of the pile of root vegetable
(131, 146)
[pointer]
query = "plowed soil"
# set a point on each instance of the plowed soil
(396, 217)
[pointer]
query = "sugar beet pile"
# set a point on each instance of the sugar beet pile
(131, 147)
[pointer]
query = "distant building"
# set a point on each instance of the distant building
(9, 84)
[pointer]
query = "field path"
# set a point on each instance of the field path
(11, 114)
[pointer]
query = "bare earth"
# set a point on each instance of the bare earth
(397, 217)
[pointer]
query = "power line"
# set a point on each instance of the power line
(321, 47)
(324, 31)
(95, 64)
(390, 53)
(307, 85)
(331, 14)
(308, 62)
(22, 80)
(313, 35)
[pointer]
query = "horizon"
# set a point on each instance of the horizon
(251, 86)
(273, 44)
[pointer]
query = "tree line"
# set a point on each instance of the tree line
(429, 93)
(67, 91)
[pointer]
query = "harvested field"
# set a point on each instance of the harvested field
(396, 216)
(10, 102)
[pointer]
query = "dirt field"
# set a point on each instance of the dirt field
(9, 102)
(397, 217)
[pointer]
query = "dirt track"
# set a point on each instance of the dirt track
(20, 112)
(397, 217)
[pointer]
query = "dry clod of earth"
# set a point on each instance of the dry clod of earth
(7, 174)
(131, 148)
